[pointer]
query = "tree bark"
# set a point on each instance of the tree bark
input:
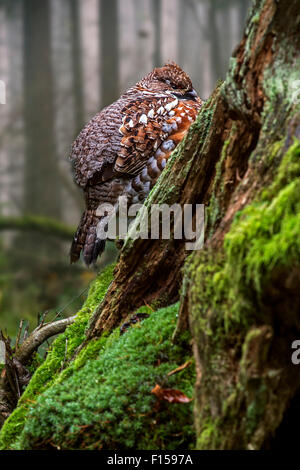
(241, 297)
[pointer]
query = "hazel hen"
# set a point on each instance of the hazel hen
(124, 148)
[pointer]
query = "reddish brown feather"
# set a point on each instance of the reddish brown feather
(127, 145)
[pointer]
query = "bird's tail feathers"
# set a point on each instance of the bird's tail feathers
(86, 240)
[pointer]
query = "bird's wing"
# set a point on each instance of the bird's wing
(122, 137)
(146, 124)
(95, 150)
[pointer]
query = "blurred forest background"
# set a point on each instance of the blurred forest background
(61, 62)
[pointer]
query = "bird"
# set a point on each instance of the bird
(124, 148)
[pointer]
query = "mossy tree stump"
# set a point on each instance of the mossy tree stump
(240, 293)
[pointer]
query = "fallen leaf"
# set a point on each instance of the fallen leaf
(169, 394)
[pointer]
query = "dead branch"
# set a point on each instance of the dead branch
(39, 336)
(15, 375)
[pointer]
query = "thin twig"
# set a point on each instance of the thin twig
(19, 334)
(17, 383)
(42, 319)
(26, 332)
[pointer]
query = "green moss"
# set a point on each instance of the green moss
(99, 288)
(229, 404)
(50, 370)
(14, 428)
(214, 212)
(35, 362)
(256, 409)
(246, 359)
(107, 403)
(92, 350)
(264, 235)
(226, 290)
(209, 437)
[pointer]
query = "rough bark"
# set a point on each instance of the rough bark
(241, 290)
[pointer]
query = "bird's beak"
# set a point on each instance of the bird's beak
(193, 93)
(188, 95)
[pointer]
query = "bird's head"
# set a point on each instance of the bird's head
(170, 79)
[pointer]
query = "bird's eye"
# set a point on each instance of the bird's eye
(171, 84)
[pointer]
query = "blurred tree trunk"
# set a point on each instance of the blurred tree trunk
(109, 33)
(12, 142)
(215, 44)
(41, 188)
(4, 114)
(77, 64)
(156, 8)
(169, 30)
(144, 36)
(182, 32)
(225, 32)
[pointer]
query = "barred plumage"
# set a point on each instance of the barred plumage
(125, 147)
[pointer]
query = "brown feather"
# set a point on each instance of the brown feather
(125, 147)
